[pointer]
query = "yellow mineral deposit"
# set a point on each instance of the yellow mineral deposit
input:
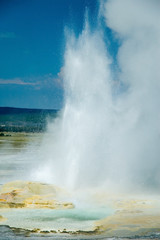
(2, 218)
(132, 216)
(22, 194)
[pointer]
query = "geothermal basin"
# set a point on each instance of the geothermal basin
(35, 209)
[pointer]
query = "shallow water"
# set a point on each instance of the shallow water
(49, 219)
(14, 158)
(7, 234)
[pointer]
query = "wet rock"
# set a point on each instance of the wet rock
(35, 230)
(44, 232)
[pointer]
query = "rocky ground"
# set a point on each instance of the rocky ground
(22, 194)
(28, 207)
(22, 202)
(133, 216)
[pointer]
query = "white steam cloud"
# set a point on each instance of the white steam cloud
(100, 139)
(136, 23)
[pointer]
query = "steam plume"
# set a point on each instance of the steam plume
(102, 139)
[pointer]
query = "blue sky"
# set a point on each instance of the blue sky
(32, 43)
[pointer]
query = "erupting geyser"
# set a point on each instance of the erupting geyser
(101, 154)
(108, 131)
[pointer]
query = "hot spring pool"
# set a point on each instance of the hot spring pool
(47, 219)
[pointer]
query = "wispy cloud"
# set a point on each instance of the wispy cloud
(7, 35)
(17, 81)
(45, 81)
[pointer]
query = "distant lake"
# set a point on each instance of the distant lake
(25, 120)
